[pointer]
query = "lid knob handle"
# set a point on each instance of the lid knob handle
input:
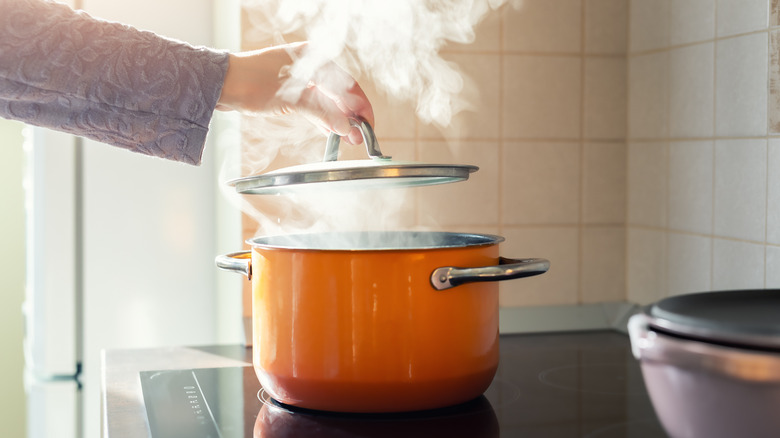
(372, 146)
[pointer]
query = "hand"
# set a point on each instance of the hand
(260, 82)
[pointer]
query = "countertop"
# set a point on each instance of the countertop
(122, 407)
(566, 384)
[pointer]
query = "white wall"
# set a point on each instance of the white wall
(149, 227)
(12, 265)
(703, 173)
(167, 271)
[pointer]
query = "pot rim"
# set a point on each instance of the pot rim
(374, 241)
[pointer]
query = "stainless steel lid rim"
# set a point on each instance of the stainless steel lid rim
(748, 318)
(380, 169)
(402, 177)
(758, 342)
(655, 347)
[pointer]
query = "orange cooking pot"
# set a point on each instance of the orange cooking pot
(376, 321)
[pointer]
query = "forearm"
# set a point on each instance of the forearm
(113, 83)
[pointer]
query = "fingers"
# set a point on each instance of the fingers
(264, 81)
(323, 111)
(329, 112)
(338, 86)
(361, 107)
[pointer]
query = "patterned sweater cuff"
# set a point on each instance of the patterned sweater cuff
(63, 69)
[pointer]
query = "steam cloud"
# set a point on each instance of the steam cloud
(396, 45)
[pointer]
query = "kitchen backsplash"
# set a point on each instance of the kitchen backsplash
(628, 141)
(703, 155)
(552, 79)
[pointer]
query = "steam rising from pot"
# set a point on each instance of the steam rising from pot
(393, 44)
(396, 42)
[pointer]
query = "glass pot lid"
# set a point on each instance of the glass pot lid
(379, 171)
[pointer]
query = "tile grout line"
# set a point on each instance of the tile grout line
(501, 139)
(768, 130)
(773, 136)
(766, 210)
(667, 149)
(581, 210)
(773, 4)
(715, 39)
(714, 141)
(628, 151)
(770, 52)
(501, 146)
(714, 138)
(633, 225)
(697, 234)
(530, 53)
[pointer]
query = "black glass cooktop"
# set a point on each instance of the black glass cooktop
(548, 385)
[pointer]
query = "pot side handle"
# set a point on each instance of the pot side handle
(507, 269)
(240, 262)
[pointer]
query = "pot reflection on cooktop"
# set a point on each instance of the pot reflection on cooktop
(472, 419)
(550, 385)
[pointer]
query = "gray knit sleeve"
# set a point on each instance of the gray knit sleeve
(65, 70)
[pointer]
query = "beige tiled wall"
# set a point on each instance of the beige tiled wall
(548, 86)
(703, 172)
(552, 76)
(634, 143)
